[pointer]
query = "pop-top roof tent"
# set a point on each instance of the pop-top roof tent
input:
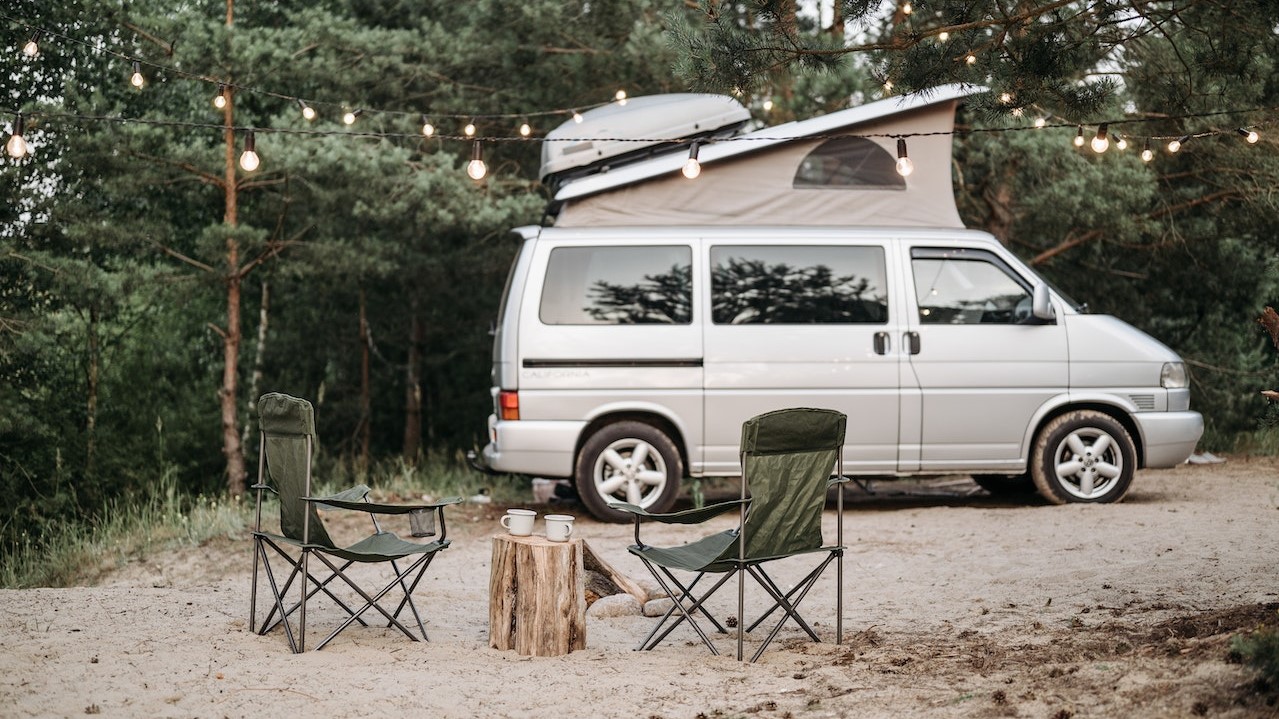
(836, 169)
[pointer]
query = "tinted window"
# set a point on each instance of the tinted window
(849, 163)
(968, 292)
(798, 285)
(618, 286)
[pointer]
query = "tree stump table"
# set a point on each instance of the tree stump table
(537, 601)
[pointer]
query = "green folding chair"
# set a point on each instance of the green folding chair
(284, 468)
(788, 457)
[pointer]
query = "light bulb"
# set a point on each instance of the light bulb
(136, 78)
(905, 165)
(1005, 98)
(768, 106)
(17, 145)
(620, 96)
(219, 100)
(692, 168)
(1250, 135)
(577, 117)
(1174, 146)
(469, 130)
(476, 169)
(249, 160)
(427, 128)
(351, 116)
(1079, 137)
(1040, 122)
(1121, 142)
(907, 9)
(308, 112)
(971, 59)
(943, 36)
(525, 130)
(1146, 154)
(1100, 143)
(32, 48)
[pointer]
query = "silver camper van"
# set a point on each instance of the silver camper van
(626, 356)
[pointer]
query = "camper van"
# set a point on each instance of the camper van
(637, 334)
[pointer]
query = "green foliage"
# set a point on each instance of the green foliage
(1259, 649)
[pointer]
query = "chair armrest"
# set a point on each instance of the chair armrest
(341, 502)
(837, 480)
(687, 516)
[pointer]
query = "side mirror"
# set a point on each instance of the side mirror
(1041, 304)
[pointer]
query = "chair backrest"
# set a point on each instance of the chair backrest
(788, 457)
(288, 431)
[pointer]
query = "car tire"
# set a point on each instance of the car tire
(1083, 456)
(630, 462)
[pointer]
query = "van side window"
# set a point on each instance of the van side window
(618, 286)
(958, 289)
(798, 285)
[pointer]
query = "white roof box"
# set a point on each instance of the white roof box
(635, 129)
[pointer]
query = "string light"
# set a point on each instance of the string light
(1250, 135)
(768, 105)
(907, 9)
(32, 48)
(476, 169)
(905, 165)
(620, 96)
(1100, 143)
(1040, 122)
(308, 112)
(1175, 145)
(1121, 142)
(427, 128)
(1146, 153)
(136, 79)
(943, 36)
(17, 146)
(971, 59)
(692, 168)
(1079, 137)
(526, 129)
(469, 130)
(249, 160)
(577, 117)
(351, 116)
(219, 100)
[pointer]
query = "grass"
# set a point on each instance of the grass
(1259, 649)
(78, 551)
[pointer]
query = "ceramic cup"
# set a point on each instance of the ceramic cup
(519, 522)
(559, 527)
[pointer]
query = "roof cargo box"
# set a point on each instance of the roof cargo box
(635, 129)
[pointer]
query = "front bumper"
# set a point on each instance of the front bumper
(1168, 437)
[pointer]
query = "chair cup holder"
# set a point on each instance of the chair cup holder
(422, 523)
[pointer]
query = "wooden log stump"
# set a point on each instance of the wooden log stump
(537, 601)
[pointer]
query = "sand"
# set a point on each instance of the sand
(957, 604)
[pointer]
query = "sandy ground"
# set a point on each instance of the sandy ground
(957, 604)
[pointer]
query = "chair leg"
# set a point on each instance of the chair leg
(783, 602)
(686, 613)
(372, 602)
(279, 600)
(271, 620)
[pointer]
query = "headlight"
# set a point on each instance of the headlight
(1173, 376)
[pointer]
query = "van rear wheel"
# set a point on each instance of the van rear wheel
(629, 462)
(1083, 456)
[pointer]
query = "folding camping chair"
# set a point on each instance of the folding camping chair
(787, 461)
(284, 468)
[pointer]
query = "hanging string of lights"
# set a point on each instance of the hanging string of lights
(18, 147)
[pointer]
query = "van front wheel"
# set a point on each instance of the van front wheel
(629, 462)
(1083, 456)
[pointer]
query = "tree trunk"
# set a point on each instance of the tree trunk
(413, 390)
(259, 358)
(91, 390)
(228, 395)
(366, 401)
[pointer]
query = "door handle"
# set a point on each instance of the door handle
(881, 343)
(911, 340)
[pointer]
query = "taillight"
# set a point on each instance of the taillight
(508, 404)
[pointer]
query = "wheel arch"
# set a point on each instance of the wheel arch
(657, 419)
(1115, 411)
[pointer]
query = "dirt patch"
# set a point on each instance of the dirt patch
(957, 604)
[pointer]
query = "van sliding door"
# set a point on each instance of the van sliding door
(801, 325)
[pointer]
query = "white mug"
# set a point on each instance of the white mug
(519, 522)
(559, 527)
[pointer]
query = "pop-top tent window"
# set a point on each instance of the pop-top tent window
(848, 163)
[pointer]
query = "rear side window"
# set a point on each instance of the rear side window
(798, 285)
(650, 285)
